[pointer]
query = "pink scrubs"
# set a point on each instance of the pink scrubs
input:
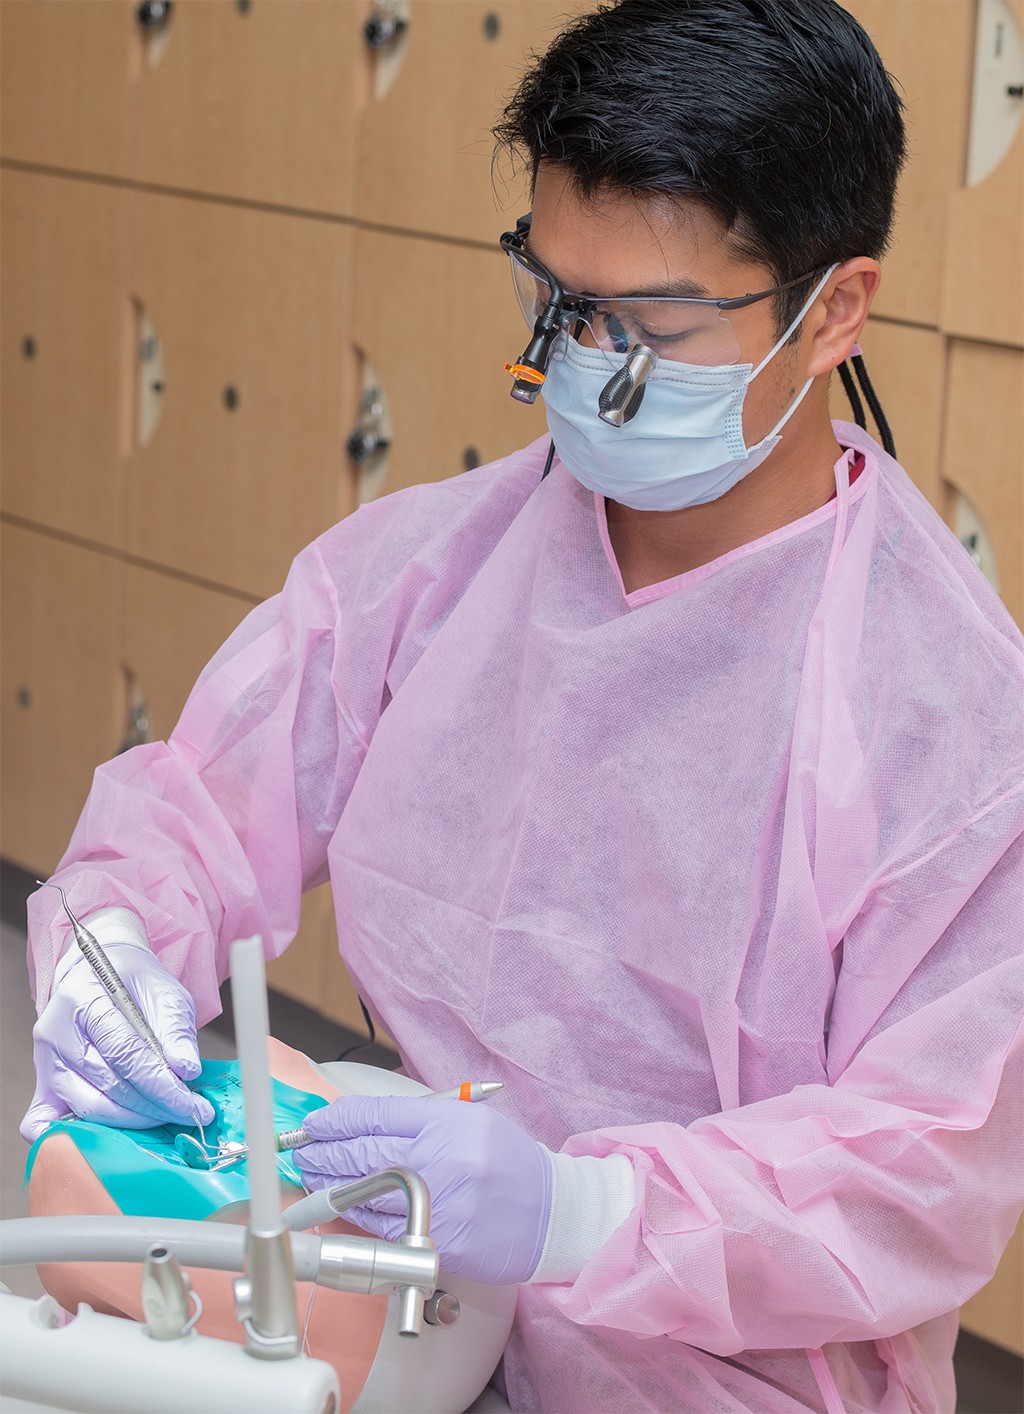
(723, 875)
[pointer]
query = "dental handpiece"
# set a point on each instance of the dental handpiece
(110, 981)
(470, 1090)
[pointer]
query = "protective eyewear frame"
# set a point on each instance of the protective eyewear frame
(531, 369)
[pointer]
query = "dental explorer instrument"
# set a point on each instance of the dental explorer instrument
(118, 993)
(110, 981)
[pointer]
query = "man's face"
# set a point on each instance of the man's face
(617, 243)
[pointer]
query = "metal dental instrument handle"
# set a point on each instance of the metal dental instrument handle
(110, 981)
(290, 1139)
(265, 1297)
(472, 1090)
(415, 1271)
(622, 395)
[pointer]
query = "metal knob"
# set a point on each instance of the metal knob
(364, 443)
(384, 26)
(441, 1309)
(154, 14)
(367, 438)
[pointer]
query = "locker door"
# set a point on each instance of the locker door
(438, 322)
(424, 159)
(254, 100)
(908, 368)
(63, 287)
(983, 453)
(172, 628)
(65, 83)
(926, 45)
(983, 284)
(61, 690)
(242, 461)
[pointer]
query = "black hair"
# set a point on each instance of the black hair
(778, 116)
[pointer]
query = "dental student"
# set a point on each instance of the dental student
(669, 772)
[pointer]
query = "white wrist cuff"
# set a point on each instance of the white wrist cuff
(590, 1198)
(109, 926)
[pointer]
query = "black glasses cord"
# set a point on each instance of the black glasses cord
(871, 397)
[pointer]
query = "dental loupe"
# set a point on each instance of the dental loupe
(620, 399)
(440, 1342)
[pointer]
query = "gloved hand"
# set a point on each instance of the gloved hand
(489, 1182)
(89, 1061)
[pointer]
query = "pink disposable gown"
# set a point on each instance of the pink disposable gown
(724, 875)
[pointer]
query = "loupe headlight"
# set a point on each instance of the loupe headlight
(621, 398)
(531, 368)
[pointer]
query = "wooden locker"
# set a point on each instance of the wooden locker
(61, 692)
(982, 452)
(63, 288)
(65, 83)
(438, 322)
(926, 45)
(254, 101)
(172, 628)
(907, 367)
(997, 1312)
(245, 463)
(425, 146)
(983, 278)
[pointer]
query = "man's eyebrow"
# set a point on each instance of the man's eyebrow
(675, 289)
(682, 288)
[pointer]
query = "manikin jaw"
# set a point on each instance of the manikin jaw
(616, 243)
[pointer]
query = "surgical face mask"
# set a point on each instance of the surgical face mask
(684, 447)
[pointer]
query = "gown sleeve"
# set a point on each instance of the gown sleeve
(214, 834)
(859, 1208)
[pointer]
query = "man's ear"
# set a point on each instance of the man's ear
(835, 320)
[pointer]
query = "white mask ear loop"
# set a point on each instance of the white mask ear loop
(765, 361)
(798, 320)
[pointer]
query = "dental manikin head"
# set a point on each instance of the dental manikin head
(442, 1370)
(711, 149)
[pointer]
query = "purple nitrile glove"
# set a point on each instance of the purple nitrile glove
(489, 1182)
(89, 1061)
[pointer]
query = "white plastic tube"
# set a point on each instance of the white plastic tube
(69, 1238)
(252, 1023)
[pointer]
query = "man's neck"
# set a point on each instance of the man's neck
(652, 546)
